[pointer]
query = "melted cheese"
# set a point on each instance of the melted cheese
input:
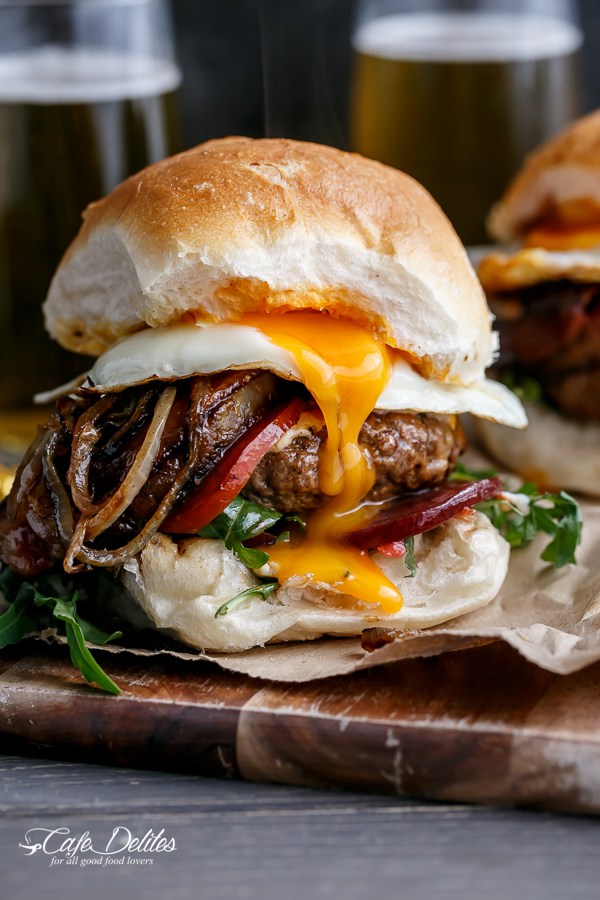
(345, 370)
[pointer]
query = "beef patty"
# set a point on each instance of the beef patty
(82, 455)
(409, 451)
(551, 332)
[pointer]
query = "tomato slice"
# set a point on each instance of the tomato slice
(227, 478)
(393, 550)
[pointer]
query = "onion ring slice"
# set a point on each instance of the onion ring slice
(138, 472)
(61, 505)
(104, 558)
(85, 438)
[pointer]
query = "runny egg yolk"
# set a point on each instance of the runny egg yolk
(345, 369)
(563, 237)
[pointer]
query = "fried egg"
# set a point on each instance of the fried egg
(178, 351)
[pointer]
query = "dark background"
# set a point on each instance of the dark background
(230, 49)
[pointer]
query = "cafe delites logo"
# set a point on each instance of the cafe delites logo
(120, 848)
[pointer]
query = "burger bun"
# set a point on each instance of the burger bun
(555, 452)
(238, 225)
(559, 182)
(461, 566)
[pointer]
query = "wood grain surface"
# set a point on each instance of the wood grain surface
(479, 725)
(241, 841)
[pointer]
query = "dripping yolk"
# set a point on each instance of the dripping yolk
(345, 369)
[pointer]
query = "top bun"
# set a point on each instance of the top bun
(239, 225)
(559, 184)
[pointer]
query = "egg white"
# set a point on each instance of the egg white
(178, 351)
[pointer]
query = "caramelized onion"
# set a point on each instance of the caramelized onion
(140, 407)
(79, 552)
(85, 438)
(27, 476)
(57, 516)
(29, 536)
(61, 505)
(139, 470)
(39, 513)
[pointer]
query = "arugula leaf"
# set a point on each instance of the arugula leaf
(566, 525)
(31, 611)
(17, 622)
(461, 473)
(10, 583)
(409, 559)
(260, 590)
(64, 611)
(557, 515)
(95, 635)
(240, 521)
(519, 521)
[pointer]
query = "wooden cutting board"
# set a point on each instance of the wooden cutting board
(479, 725)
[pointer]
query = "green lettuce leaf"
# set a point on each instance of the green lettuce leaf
(32, 609)
(521, 520)
(240, 521)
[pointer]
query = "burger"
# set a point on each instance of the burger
(262, 450)
(545, 292)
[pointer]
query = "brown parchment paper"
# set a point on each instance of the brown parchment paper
(552, 617)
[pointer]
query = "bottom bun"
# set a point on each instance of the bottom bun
(554, 452)
(461, 566)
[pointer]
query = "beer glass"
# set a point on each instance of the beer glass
(456, 93)
(86, 98)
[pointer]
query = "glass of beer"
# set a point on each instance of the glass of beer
(456, 92)
(87, 93)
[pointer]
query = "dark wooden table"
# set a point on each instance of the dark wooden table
(242, 840)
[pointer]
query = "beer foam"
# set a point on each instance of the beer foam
(57, 75)
(466, 37)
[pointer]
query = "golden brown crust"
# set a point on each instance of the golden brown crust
(263, 186)
(237, 224)
(559, 183)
